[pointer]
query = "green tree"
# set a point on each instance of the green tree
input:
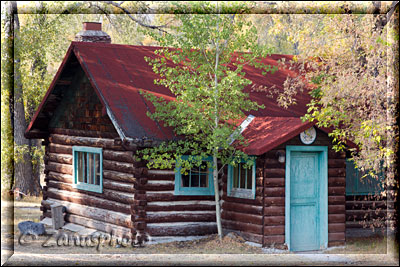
(35, 42)
(7, 124)
(36, 46)
(347, 58)
(209, 51)
(352, 61)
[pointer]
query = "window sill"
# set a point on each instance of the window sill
(194, 192)
(242, 193)
(88, 187)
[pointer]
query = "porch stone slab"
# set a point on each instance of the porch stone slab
(86, 231)
(47, 221)
(73, 227)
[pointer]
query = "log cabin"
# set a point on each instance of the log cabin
(368, 204)
(93, 121)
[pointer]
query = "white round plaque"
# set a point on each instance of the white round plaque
(308, 136)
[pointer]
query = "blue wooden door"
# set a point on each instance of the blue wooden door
(304, 201)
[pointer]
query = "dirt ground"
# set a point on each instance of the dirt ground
(28, 209)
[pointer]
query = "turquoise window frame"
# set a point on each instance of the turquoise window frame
(86, 186)
(240, 192)
(356, 187)
(194, 191)
(323, 197)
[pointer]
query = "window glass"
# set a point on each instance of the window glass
(236, 177)
(185, 180)
(84, 167)
(203, 176)
(80, 167)
(91, 166)
(249, 178)
(356, 184)
(194, 177)
(88, 168)
(197, 181)
(242, 177)
(241, 181)
(97, 168)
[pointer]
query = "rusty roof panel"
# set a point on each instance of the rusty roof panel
(266, 133)
(119, 72)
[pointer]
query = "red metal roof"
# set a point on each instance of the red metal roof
(118, 72)
(266, 133)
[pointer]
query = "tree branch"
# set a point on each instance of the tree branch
(209, 63)
(383, 19)
(118, 5)
(226, 41)
(105, 13)
(391, 11)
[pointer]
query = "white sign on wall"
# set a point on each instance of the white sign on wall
(308, 136)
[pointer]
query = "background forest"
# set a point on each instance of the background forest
(355, 85)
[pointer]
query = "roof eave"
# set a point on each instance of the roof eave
(262, 150)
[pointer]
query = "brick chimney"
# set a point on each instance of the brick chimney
(92, 33)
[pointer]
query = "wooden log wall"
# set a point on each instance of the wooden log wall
(167, 214)
(370, 210)
(147, 197)
(274, 200)
(262, 220)
(80, 119)
(112, 209)
(244, 216)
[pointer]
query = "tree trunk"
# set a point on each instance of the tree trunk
(37, 65)
(22, 166)
(36, 144)
(8, 92)
(215, 151)
(216, 192)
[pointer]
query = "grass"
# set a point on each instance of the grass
(14, 212)
(363, 245)
(28, 209)
(22, 210)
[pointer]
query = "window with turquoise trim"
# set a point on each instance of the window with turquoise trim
(356, 184)
(241, 181)
(88, 168)
(197, 181)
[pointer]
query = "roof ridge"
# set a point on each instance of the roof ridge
(75, 43)
(99, 44)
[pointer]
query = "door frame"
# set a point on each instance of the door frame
(323, 192)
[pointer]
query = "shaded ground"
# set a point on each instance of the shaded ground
(28, 209)
(376, 244)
